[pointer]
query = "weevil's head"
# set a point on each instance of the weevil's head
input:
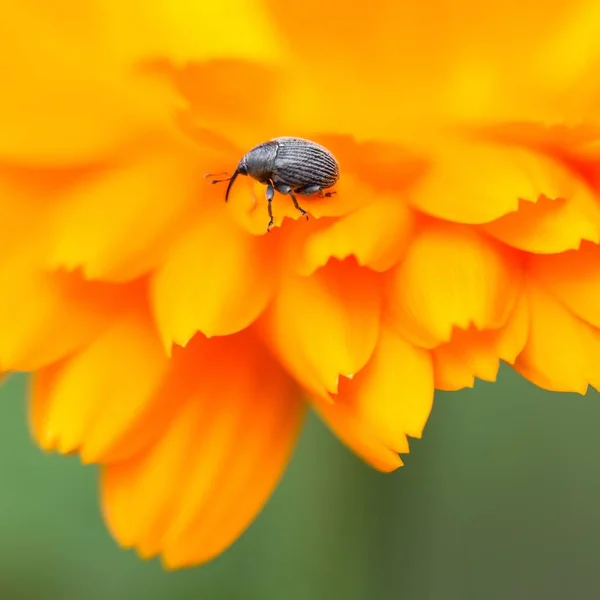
(258, 162)
(241, 169)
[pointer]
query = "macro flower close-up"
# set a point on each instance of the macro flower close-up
(177, 343)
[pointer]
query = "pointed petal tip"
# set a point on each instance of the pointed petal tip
(392, 466)
(172, 560)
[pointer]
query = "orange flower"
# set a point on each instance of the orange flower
(174, 342)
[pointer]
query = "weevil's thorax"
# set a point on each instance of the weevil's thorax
(258, 162)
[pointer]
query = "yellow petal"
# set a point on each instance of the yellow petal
(477, 183)
(474, 354)
(452, 372)
(90, 402)
(66, 99)
(393, 394)
(573, 277)
(212, 91)
(248, 206)
(455, 60)
(510, 340)
(185, 31)
(568, 61)
(562, 352)
(358, 438)
(550, 226)
(376, 235)
(216, 279)
(451, 277)
(384, 166)
(110, 223)
(45, 316)
(325, 325)
(198, 487)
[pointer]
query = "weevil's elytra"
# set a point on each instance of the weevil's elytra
(289, 165)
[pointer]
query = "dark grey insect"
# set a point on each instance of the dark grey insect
(290, 165)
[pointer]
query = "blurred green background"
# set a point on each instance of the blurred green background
(500, 500)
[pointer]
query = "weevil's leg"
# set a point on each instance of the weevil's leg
(283, 188)
(308, 190)
(298, 207)
(270, 193)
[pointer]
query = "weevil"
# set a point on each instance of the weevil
(289, 165)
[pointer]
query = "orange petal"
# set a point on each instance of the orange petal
(110, 224)
(45, 316)
(384, 166)
(393, 395)
(452, 371)
(193, 492)
(325, 325)
(216, 279)
(474, 354)
(89, 402)
(248, 205)
(477, 183)
(68, 98)
(221, 110)
(573, 277)
(376, 235)
(431, 49)
(550, 226)
(23, 213)
(562, 352)
(358, 438)
(185, 31)
(451, 277)
(567, 61)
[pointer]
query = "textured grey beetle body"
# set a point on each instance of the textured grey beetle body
(291, 166)
(302, 164)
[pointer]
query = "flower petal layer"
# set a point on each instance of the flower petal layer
(572, 277)
(454, 60)
(393, 394)
(198, 487)
(110, 224)
(451, 277)
(474, 354)
(65, 106)
(550, 226)
(185, 31)
(376, 236)
(91, 402)
(562, 352)
(477, 183)
(216, 279)
(325, 325)
(45, 316)
(358, 438)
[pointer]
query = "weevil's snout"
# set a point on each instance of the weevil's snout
(241, 169)
(231, 180)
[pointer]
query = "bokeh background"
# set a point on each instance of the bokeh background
(499, 500)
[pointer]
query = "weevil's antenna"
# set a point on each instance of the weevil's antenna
(230, 179)
(216, 175)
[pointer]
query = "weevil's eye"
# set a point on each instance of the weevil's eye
(242, 168)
